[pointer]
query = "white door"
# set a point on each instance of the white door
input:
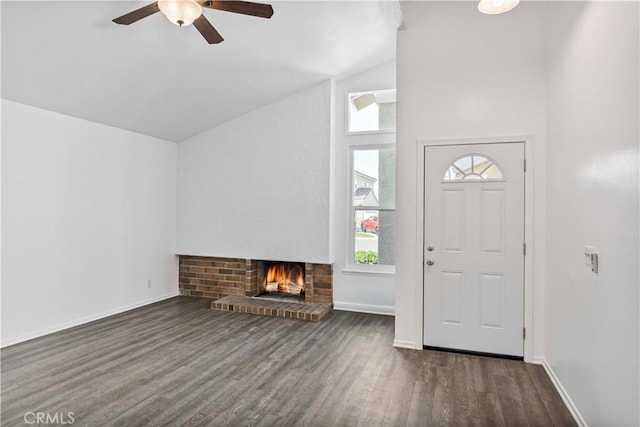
(474, 247)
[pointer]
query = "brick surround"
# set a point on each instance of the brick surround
(215, 277)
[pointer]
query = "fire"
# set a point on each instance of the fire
(284, 278)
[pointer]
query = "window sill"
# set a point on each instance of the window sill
(388, 271)
(369, 132)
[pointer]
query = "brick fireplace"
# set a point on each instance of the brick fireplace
(234, 282)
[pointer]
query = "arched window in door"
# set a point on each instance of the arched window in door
(473, 167)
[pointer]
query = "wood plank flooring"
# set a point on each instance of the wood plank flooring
(179, 363)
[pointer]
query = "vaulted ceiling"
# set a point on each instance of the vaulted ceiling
(155, 78)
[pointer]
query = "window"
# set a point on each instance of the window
(373, 111)
(372, 208)
(473, 167)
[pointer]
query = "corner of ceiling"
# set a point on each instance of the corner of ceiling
(398, 15)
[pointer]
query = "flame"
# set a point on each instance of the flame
(289, 277)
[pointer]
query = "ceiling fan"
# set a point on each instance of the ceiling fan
(187, 12)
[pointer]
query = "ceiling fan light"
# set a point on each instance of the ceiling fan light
(495, 7)
(180, 12)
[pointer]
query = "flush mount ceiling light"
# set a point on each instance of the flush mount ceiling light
(496, 7)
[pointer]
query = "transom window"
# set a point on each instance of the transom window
(371, 112)
(473, 167)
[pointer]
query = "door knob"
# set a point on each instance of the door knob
(430, 248)
(430, 262)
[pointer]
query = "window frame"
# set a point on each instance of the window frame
(352, 267)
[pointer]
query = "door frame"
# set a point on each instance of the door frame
(528, 230)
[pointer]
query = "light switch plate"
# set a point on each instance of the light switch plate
(591, 258)
(588, 251)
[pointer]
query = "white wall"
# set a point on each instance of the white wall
(566, 73)
(592, 324)
(351, 290)
(259, 186)
(88, 216)
(463, 74)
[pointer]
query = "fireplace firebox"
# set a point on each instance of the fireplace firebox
(281, 279)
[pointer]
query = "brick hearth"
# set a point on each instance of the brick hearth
(267, 307)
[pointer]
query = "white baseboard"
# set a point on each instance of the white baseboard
(406, 344)
(78, 322)
(563, 394)
(535, 360)
(386, 310)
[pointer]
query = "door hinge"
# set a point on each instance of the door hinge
(525, 165)
(524, 249)
(524, 333)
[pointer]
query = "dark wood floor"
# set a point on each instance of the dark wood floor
(179, 363)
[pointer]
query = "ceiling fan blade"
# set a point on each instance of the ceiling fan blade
(137, 14)
(210, 34)
(244, 7)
